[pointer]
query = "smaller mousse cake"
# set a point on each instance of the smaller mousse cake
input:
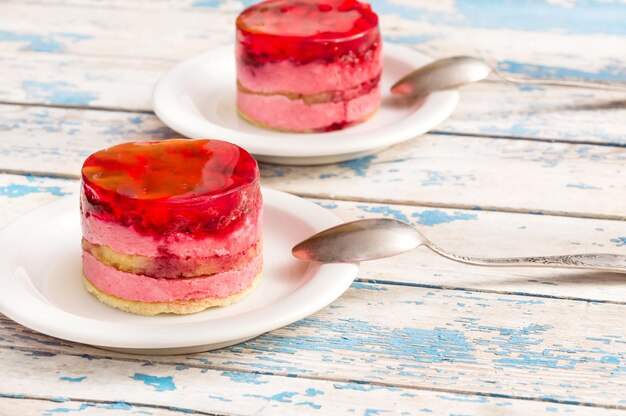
(308, 65)
(171, 226)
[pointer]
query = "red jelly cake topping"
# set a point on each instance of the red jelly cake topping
(193, 186)
(307, 30)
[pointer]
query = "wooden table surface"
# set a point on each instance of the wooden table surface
(515, 171)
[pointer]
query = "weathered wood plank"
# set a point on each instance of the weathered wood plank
(392, 336)
(574, 39)
(480, 233)
(474, 173)
(191, 389)
(454, 171)
(486, 109)
(17, 404)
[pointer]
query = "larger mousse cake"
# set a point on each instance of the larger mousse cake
(171, 226)
(308, 65)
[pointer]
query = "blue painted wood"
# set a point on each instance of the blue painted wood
(406, 331)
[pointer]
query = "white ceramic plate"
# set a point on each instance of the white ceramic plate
(41, 286)
(197, 98)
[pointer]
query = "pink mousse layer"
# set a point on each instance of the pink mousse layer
(136, 287)
(280, 112)
(128, 241)
(307, 79)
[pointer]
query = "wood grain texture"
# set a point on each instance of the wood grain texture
(18, 404)
(435, 170)
(394, 336)
(562, 40)
(184, 389)
(474, 173)
(122, 79)
(490, 108)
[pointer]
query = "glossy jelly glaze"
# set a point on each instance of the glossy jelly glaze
(195, 188)
(304, 31)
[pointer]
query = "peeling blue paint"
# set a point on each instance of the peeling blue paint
(363, 387)
(465, 398)
(60, 399)
(249, 378)
(17, 191)
(521, 301)
(527, 88)
(274, 171)
(327, 205)
(222, 399)
(609, 73)
(435, 217)
(35, 43)
(73, 379)
(284, 397)
(386, 211)
(207, 3)
(365, 286)
(311, 392)
(310, 404)
(12, 396)
(59, 92)
(74, 36)
(374, 412)
(610, 359)
(619, 241)
(414, 344)
(583, 186)
(358, 166)
(115, 406)
(159, 383)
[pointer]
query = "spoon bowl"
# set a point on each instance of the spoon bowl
(443, 74)
(359, 241)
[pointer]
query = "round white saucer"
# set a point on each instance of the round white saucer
(41, 286)
(197, 98)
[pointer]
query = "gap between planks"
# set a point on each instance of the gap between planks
(433, 132)
(475, 290)
(18, 396)
(311, 377)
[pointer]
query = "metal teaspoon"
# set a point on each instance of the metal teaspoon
(456, 71)
(384, 237)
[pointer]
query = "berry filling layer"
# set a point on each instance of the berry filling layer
(311, 78)
(170, 267)
(136, 287)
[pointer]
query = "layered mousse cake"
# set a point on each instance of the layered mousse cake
(171, 226)
(308, 65)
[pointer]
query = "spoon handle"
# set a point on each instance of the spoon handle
(550, 82)
(601, 262)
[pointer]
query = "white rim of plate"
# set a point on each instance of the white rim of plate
(328, 282)
(440, 105)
